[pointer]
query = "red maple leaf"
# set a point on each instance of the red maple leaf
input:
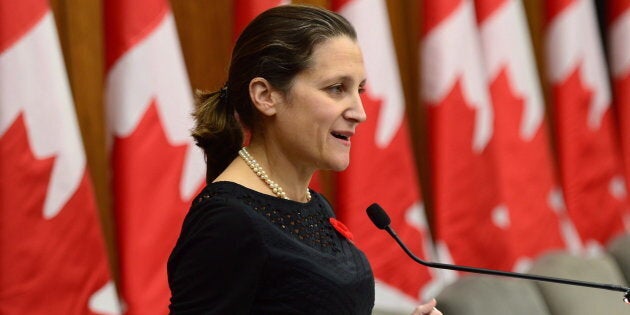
(48, 266)
(526, 175)
(588, 161)
(464, 185)
(386, 176)
(149, 211)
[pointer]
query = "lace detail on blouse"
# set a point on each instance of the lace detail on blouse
(306, 222)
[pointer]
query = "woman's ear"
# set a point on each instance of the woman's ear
(263, 96)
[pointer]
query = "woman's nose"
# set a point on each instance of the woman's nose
(356, 112)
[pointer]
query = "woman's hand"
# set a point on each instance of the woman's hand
(427, 309)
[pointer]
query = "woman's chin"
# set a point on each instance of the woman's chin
(339, 166)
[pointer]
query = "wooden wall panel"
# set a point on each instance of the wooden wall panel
(79, 25)
(205, 33)
(534, 10)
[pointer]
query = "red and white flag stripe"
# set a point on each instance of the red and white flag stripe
(52, 253)
(470, 215)
(384, 138)
(535, 218)
(590, 163)
(156, 168)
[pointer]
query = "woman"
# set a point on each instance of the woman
(256, 239)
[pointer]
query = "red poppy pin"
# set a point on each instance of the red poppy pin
(341, 228)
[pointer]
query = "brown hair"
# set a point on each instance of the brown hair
(276, 45)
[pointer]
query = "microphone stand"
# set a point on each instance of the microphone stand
(385, 225)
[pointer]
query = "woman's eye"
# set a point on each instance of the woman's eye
(336, 89)
(361, 90)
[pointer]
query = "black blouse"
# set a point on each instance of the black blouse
(244, 252)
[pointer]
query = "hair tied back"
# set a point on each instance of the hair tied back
(223, 95)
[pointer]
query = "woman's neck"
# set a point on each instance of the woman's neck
(278, 169)
(292, 179)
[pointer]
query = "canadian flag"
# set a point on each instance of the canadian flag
(534, 217)
(470, 214)
(590, 164)
(619, 52)
(52, 254)
(382, 169)
(156, 168)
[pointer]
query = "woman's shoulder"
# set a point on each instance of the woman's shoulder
(218, 201)
(216, 213)
(218, 191)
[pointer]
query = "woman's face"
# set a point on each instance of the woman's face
(320, 112)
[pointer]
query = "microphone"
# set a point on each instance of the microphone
(380, 218)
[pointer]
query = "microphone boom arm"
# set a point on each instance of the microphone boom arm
(380, 218)
(610, 287)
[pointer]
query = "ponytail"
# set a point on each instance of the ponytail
(216, 131)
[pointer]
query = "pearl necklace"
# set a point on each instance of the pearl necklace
(257, 169)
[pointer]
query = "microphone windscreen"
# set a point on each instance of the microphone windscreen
(378, 216)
